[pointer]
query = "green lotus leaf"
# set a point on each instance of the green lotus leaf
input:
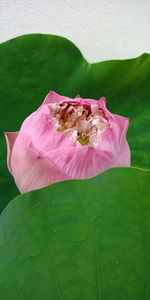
(85, 239)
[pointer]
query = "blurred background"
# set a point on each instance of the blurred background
(102, 29)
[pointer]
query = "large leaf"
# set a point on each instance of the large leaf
(79, 240)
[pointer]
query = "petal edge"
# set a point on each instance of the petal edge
(10, 140)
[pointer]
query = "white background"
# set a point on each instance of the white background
(102, 29)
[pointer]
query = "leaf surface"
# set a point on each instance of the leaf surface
(85, 239)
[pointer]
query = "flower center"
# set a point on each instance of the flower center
(81, 122)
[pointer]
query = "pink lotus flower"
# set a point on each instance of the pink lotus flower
(66, 139)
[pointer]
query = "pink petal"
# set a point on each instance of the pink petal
(53, 97)
(82, 161)
(30, 170)
(102, 103)
(115, 119)
(119, 126)
(42, 132)
(108, 142)
(122, 122)
(117, 123)
(10, 140)
(124, 157)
